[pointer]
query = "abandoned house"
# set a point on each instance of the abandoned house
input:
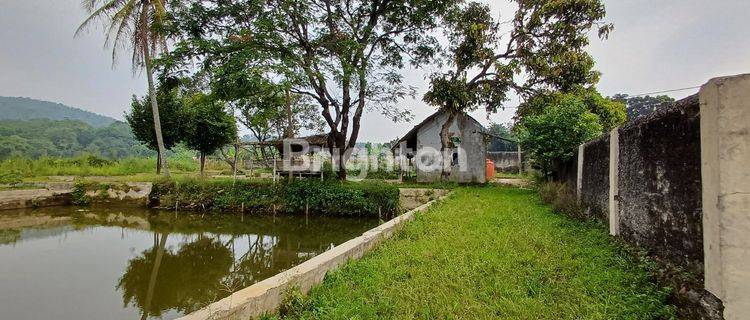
(420, 149)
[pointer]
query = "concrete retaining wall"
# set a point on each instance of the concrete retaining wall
(57, 194)
(266, 296)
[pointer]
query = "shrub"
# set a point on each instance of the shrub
(562, 198)
(79, 196)
(297, 197)
(11, 177)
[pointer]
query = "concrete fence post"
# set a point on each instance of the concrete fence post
(725, 170)
(614, 165)
(579, 171)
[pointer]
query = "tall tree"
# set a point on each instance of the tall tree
(552, 135)
(343, 54)
(210, 126)
(141, 122)
(543, 49)
(135, 24)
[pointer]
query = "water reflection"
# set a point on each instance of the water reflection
(162, 265)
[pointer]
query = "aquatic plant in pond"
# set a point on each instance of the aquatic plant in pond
(298, 197)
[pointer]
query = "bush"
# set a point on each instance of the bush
(562, 198)
(297, 197)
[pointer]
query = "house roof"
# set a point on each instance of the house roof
(412, 134)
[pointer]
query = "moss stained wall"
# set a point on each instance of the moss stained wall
(660, 184)
(595, 178)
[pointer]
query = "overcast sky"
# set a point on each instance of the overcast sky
(657, 45)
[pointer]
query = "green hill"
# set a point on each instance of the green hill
(67, 138)
(12, 108)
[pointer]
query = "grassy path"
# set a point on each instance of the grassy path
(489, 253)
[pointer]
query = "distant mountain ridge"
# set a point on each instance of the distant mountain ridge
(19, 108)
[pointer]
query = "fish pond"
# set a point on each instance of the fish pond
(130, 263)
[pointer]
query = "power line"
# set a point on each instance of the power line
(665, 91)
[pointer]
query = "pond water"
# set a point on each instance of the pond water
(125, 263)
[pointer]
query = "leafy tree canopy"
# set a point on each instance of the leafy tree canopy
(638, 106)
(543, 50)
(502, 131)
(552, 135)
(611, 113)
(172, 117)
(209, 125)
(342, 54)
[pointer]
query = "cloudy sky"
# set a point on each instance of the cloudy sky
(657, 45)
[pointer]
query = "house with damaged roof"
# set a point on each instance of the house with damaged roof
(465, 161)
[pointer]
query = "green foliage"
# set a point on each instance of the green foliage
(66, 138)
(294, 303)
(639, 106)
(502, 131)
(10, 177)
(546, 44)
(208, 124)
(171, 113)
(342, 55)
(31, 109)
(324, 198)
(79, 196)
(491, 253)
(611, 113)
(553, 135)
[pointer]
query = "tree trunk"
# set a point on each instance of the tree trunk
(158, 163)
(289, 130)
(155, 109)
(341, 163)
(154, 275)
(203, 164)
(445, 145)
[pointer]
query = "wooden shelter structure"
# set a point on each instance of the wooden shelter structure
(283, 165)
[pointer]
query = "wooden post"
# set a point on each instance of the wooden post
(242, 211)
(274, 168)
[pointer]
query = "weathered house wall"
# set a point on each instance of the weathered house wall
(472, 150)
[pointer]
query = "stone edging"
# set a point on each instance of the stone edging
(266, 296)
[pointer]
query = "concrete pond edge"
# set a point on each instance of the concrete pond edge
(266, 296)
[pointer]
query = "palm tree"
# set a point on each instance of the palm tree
(130, 23)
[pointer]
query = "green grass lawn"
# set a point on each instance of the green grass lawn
(489, 253)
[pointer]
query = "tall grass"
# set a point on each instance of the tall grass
(88, 166)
